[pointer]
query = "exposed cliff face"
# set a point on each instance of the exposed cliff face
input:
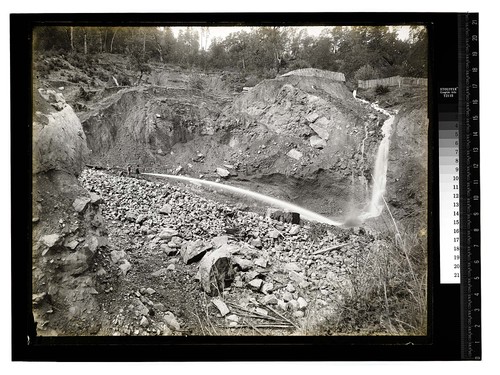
(141, 125)
(59, 142)
(295, 127)
(408, 162)
(68, 229)
(300, 138)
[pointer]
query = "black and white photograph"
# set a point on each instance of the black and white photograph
(230, 180)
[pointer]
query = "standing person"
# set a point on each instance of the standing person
(129, 170)
(137, 171)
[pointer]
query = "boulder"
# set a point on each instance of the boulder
(144, 322)
(213, 271)
(166, 209)
(248, 276)
(81, 203)
(298, 314)
(255, 284)
(50, 240)
(261, 311)
(302, 303)
(285, 217)
(232, 248)
(290, 288)
(287, 296)
(193, 251)
(233, 318)
(117, 255)
(160, 272)
(171, 321)
(311, 117)
(141, 219)
(317, 142)
(292, 267)
(267, 288)
(294, 230)
(242, 263)
(175, 242)
(221, 306)
(38, 298)
(295, 154)
(320, 128)
(297, 278)
(168, 233)
(273, 233)
(94, 242)
(168, 250)
(95, 198)
(291, 217)
(222, 172)
(261, 262)
(125, 267)
(293, 305)
(256, 242)
(59, 142)
(219, 241)
(71, 244)
(269, 299)
(282, 305)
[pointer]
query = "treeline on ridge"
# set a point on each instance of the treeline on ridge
(360, 52)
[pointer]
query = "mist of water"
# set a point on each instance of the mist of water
(304, 213)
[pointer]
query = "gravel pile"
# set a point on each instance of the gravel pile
(274, 274)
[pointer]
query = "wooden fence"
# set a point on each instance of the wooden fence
(311, 72)
(392, 81)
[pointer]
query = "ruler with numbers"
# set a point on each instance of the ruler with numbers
(470, 286)
(459, 207)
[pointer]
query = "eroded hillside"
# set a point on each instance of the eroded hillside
(131, 255)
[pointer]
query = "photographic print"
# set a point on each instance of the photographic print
(230, 180)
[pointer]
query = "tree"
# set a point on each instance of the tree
(188, 46)
(112, 40)
(356, 51)
(416, 59)
(366, 72)
(274, 40)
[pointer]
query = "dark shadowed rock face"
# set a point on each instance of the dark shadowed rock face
(286, 217)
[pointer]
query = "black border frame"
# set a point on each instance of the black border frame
(443, 341)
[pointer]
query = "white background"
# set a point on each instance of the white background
(489, 137)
